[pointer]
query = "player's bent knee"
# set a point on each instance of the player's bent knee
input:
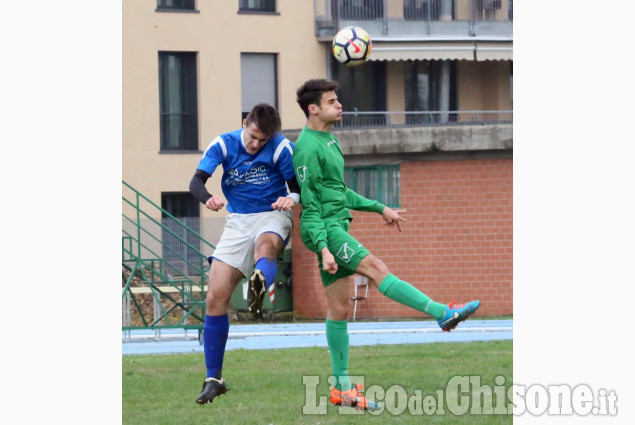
(373, 268)
(269, 241)
(216, 304)
(218, 297)
(339, 311)
(338, 315)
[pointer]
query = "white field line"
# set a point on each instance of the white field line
(369, 331)
(191, 335)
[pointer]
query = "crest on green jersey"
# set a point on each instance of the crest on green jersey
(345, 253)
(301, 172)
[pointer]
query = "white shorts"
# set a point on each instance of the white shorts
(237, 243)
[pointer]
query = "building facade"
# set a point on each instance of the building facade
(193, 68)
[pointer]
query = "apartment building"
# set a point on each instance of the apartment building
(193, 68)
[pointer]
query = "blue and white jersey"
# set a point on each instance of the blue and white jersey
(251, 183)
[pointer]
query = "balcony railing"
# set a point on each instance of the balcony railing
(415, 18)
(352, 119)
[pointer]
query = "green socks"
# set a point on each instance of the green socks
(337, 330)
(405, 293)
(337, 338)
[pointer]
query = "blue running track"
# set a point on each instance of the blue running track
(294, 335)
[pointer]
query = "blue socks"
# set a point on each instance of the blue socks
(215, 334)
(269, 268)
(216, 328)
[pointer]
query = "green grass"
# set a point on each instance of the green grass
(267, 385)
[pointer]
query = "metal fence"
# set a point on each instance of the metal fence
(164, 261)
(419, 118)
(175, 243)
(461, 10)
(404, 17)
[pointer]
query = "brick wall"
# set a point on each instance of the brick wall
(457, 243)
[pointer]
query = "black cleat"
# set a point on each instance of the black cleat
(212, 388)
(256, 292)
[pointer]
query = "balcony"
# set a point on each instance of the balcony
(477, 132)
(376, 119)
(410, 20)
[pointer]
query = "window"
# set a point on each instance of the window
(381, 183)
(171, 5)
(257, 5)
(178, 101)
(430, 86)
(175, 237)
(259, 80)
(363, 89)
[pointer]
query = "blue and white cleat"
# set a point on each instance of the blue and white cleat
(456, 313)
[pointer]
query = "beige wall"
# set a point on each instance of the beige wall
(484, 85)
(395, 99)
(219, 34)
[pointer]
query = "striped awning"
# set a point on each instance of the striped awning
(446, 50)
(491, 51)
(421, 50)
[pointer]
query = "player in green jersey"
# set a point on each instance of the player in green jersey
(324, 226)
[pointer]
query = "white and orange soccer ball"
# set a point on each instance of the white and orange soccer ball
(352, 46)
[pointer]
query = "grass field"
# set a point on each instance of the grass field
(267, 385)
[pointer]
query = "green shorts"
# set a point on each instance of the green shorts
(348, 252)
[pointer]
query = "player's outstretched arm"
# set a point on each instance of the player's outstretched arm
(392, 217)
(355, 201)
(309, 176)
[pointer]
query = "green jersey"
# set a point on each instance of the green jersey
(319, 167)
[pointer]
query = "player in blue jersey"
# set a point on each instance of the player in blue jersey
(257, 168)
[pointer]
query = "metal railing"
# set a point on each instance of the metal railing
(352, 119)
(162, 258)
(401, 17)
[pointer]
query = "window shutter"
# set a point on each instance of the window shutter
(258, 79)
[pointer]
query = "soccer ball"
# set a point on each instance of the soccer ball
(351, 46)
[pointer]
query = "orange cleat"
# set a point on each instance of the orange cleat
(353, 398)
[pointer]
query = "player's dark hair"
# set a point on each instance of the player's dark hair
(310, 93)
(266, 118)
